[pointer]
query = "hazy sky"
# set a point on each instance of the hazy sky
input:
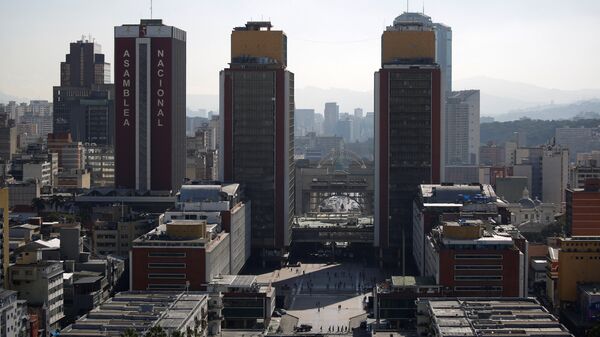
(331, 43)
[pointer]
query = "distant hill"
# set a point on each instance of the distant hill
(508, 100)
(588, 108)
(537, 131)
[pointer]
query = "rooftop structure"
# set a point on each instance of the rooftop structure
(140, 310)
(482, 317)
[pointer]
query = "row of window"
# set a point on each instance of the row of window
(166, 276)
(478, 288)
(166, 265)
(477, 277)
(166, 254)
(477, 267)
(478, 257)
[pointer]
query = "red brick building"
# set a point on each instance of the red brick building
(474, 258)
(583, 209)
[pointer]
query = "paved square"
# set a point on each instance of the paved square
(327, 296)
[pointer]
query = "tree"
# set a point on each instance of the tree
(593, 332)
(156, 331)
(177, 334)
(38, 204)
(129, 332)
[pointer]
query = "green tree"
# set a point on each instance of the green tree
(177, 334)
(129, 332)
(156, 331)
(38, 204)
(593, 332)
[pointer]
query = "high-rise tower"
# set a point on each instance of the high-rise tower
(407, 129)
(150, 66)
(257, 138)
(83, 103)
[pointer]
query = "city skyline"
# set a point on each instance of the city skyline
(488, 50)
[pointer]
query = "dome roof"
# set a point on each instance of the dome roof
(527, 203)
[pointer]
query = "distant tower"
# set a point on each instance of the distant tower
(332, 116)
(257, 123)
(150, 84)
(407, 128)
(83, 103)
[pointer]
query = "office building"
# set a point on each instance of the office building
(100, 162)
(304, 122)
(583, 209)
(408, 133)
(462, 128)
(332, 116)
(578, 263)
(5, 240)
(40, 282)
(179, 255)
(150, 73)
(257, 131)
(555, 176)
(486, 316)
(477, 258)
(436, 203)
(8, 138)
(83, 103)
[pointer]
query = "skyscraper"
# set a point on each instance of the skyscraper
(332, 116)
(83, 103)
(150, 67)
(407, 129)
(462, 127)
(257, 139)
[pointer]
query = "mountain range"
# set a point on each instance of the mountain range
(502, 99)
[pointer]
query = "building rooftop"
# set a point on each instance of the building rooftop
(457, 193)
(138, 310)
(235, 281)
(483, 317)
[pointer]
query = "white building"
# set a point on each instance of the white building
(41, 284)
(462, 127)
(530, 215)
(9, 314)
(555, 176)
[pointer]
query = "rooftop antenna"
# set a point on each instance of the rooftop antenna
(423, 7)
(150, 9)
(407, 2)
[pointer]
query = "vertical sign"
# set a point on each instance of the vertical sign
(125, 112)
(161, 104)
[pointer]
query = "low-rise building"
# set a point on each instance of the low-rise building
(486, 317)
(179, 255)
(141, 310)
(477, 258)
(10, 326)
(41, 284)
(241, 301)
(583, 209)
(116, 237)
(394, 300)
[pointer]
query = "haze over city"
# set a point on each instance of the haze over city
(333, 45)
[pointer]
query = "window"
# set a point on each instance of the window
(166, 265)
(478, 288)
(165, 254)
(478, 267)
(166, 276)
(478, 257)
(477, 277)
